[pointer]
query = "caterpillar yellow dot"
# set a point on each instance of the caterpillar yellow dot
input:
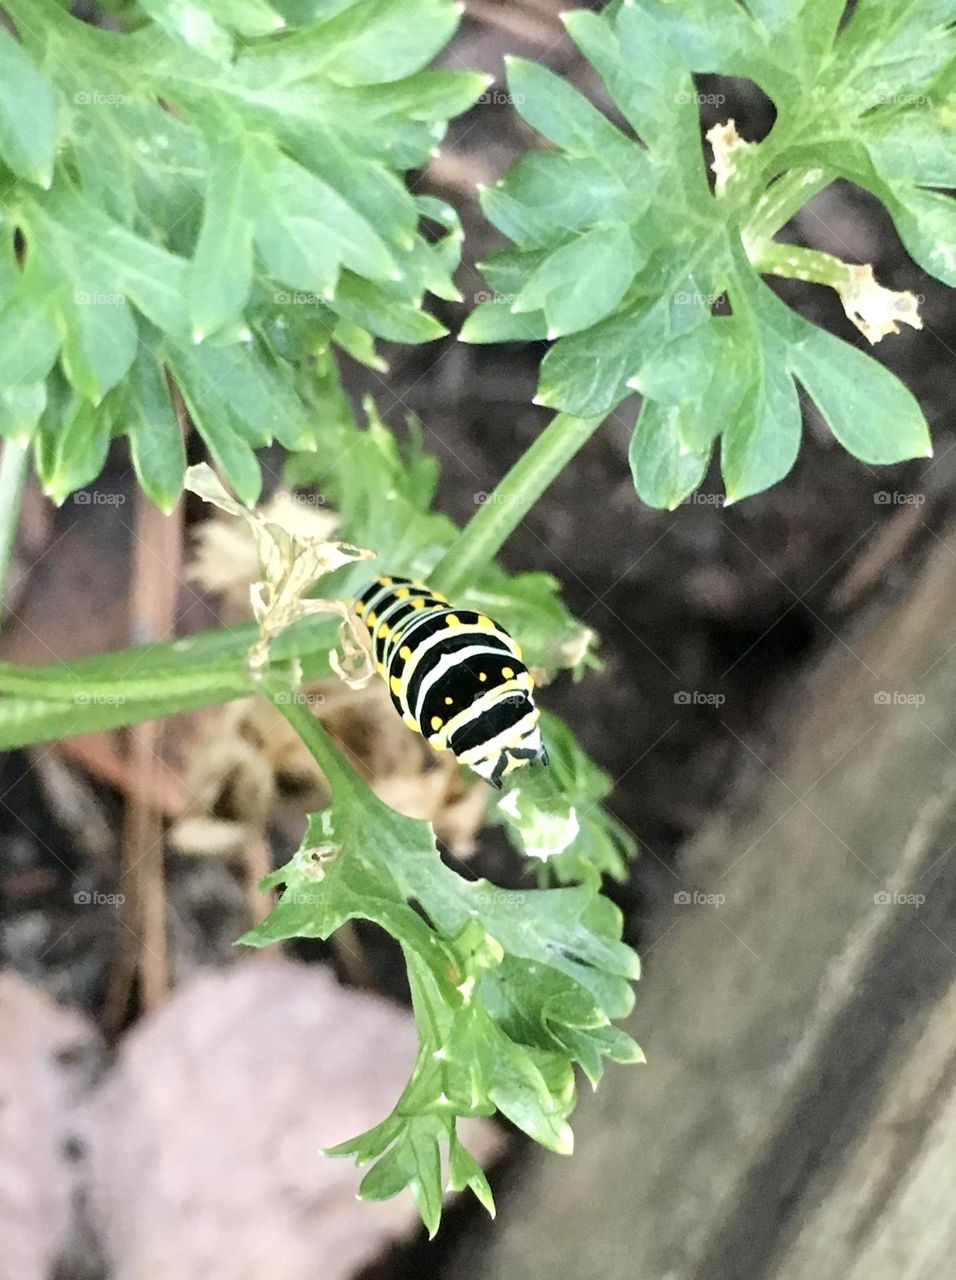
(482, 676)
(449, 702)
(437, 722)
(485, 623)
(403, 593)
(396, 685)
(404, 653)
(508, 672)
(453, 620)
(418, 603)
(372, 619)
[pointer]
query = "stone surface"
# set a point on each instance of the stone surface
(207, 1135)
(47, 1056)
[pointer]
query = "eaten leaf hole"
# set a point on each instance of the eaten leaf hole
(726, 98)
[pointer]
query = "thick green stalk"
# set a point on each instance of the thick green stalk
(329, 759)
(13, 474)
(38, 704)
(505, 508)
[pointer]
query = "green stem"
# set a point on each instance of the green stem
(294, 708)
(781, 201)
(13, 474)
(503, 510)
(796, 263)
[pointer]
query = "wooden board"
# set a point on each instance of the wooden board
(797, 1116)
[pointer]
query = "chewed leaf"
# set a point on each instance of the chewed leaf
(875, 310)
(729, 151)
(510, 988)
(290, 563)
(561, 806)
(544, 821)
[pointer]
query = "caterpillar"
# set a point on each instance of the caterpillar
(455, 676)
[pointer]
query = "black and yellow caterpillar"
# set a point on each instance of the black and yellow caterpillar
(455, 676)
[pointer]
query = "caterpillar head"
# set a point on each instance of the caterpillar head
(505, 758)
